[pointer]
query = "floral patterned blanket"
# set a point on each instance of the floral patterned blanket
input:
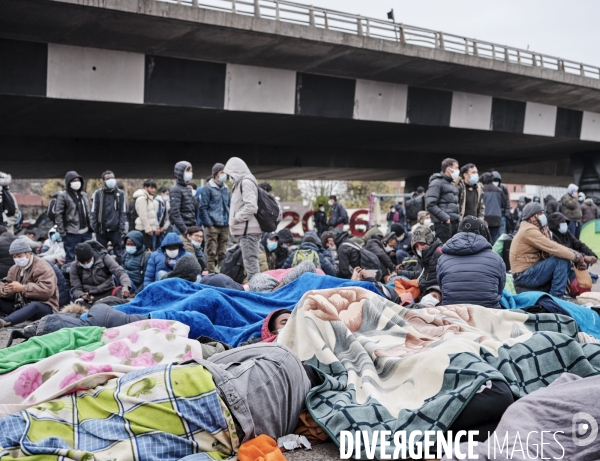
(390, 368)
(165, 412)
(128, 348)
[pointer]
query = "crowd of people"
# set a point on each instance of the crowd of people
(439, 249)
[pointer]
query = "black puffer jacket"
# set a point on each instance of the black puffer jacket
(442, 199)
(469, 272)
(183, 205)
(6, 260)
(428, 275)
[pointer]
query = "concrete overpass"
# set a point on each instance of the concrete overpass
(138, 84)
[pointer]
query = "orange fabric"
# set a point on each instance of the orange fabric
(404, 286)
(310, 429)
(261, 448)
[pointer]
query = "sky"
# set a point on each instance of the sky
(566, 29)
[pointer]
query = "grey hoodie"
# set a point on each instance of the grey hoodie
(244, 198)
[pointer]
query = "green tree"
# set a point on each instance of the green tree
(358, 193)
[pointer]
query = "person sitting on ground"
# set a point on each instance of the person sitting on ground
(92, 273)
(30, 289)
(192, 242)
(428, 249)
(309, 251)
(535, 259)
(30, 239)
(559, 226)
(55, 251)
(349, 255)
(163, 260)
(323, 251)
(186, 268)
(135, 259)
(403, 248)
(469, 271)
(286, 245)
(270, 245)
(376, 246)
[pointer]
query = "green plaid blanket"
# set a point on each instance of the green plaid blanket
(392, 368)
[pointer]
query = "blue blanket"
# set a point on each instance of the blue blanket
(230, 316)
(587, 319)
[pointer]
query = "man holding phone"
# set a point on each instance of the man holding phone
(30, 290)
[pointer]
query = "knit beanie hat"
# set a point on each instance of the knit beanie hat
(216, 168)
(422, 234)
(19, 246)
(531, 209)
(301, 269)
(262, 283)
(475, 226)
(187, 268)
(84, 252)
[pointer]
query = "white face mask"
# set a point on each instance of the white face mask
(130, 250)
(563, 227)
(455, 173)
(166, 198)
(427, 222)
(389, 249)
(21, 262)
(111, 183)
(88, 265)
(330, 202)
(75, 185)
(172, 253)
(188, 176)
(196, 244)
(496, 183)
(322, 208)
(429, 301)
(419, 252)
(223, 177)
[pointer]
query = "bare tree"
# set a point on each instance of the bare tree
(312, 189)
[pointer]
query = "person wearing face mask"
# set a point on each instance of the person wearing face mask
(270, 245)
(183, 204)
(135, 259)
(571, 208)
(507, 222)
(423, 219)
(559, 226)
(144, 213)
(338, 216)
(470, 192)
(73, 215)
(162, 205)
(109, 214)
(469, 271)
(192, 242)
(494, 201)
(535, 259)
(428, 250)
(163, 260)
(55, 252)
(376, 246)
(329, 247)
(214, 211)
(518, 211)
(30, 289)
(402, 245)
(442, 200)
(92, 272)
(320, 219)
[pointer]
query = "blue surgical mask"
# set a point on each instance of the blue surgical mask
(111, 183)
(563, 228)
(474, 179)
(166, 198)
(223, 177)
(55, 237)
(543, 220)
(188, 176)
(272, 246)
(88, 265)
(131, 250)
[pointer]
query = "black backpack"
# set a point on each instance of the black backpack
(131, 214)
(413, 206)
(368, 259)
(269, 212)
(233, 264)
(51, 211)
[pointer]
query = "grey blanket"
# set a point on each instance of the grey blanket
(570, 404)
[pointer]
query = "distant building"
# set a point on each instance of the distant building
(31, 205)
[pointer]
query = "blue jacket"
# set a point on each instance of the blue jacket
(135, 264)
(470, 272)
(339, 215)
(214, 204)
(325, 264)
(158, 259)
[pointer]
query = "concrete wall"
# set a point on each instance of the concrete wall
(380, 101)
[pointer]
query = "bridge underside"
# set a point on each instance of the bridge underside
(44, 137)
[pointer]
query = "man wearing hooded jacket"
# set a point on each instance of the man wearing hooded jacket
(73, 214)
(183, 204)
(442, 200)
(242, 220)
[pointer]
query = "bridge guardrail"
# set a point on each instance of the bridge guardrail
(286, 11)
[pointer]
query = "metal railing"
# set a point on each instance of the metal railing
(286, 11)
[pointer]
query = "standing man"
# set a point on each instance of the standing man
(214, 212)
(109, 214)
(145, 222)
(244, 205)
(183, 204)
(338, 216)
(320, 219)
(73, 215)
(506, 226)
(162, 207)
(442, 200)
(572, 209)
(470, 192)
(495, 202)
